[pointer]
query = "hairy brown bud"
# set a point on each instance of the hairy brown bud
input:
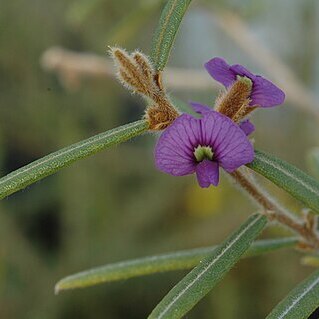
(144, 65)
(136, 72)
(234, 103)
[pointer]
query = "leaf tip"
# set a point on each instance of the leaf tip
(58, 288)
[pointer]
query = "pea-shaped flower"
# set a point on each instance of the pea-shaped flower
(263, 92)
(201, 145)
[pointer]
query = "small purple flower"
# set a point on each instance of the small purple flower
(264, 93)
(200, 145)
(247, 126)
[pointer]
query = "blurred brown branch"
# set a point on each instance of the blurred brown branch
(296, 93)
(72, 67)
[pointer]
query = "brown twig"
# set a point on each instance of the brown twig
(274, 211)
(72, 66)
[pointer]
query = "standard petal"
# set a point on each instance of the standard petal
(265, 93)
(175, 147)
(220, 71)
(207, 173)
(247, 127)
(242, 71)
(230, 144)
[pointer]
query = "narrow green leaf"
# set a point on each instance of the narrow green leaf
(266, 246)
(53, 162)
(293, 180)
(301, 301)
(179, 260)
(165, 33)
(196, 284)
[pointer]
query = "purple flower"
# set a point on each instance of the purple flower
(264, 93)
(247, 127)
(200, 145)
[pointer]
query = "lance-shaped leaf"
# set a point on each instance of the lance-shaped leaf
(178, 260)
(301, 301)
(165, 33)
(53, 162)
(293, 180)
(196, 284)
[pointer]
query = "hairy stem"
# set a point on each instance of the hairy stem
(276, 212)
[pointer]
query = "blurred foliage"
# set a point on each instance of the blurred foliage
(115, 205)
(313, 161)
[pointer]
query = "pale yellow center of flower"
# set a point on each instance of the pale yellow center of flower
(203, 152)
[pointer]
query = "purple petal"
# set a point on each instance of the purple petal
(207, 173)
(247, 127)
(175, 147)
(236, 151)
(220, 71)
(200, 109)
(242, 71)
(230, 144)
(265, 93)
(174, 152)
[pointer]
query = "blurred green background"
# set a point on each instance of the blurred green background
(115, 205)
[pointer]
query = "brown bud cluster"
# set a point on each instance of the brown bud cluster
(136, 72)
